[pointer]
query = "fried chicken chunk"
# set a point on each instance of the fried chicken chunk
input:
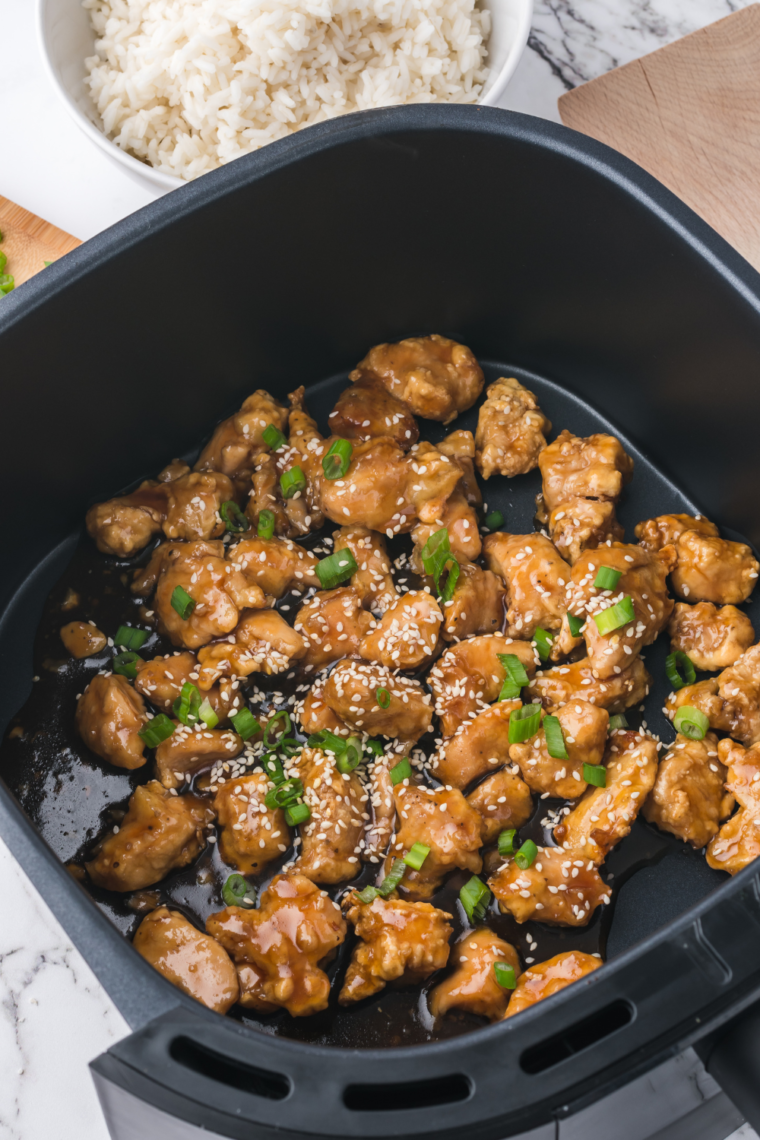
(536, 579)
(688, 798)
(305, 449)
(188, 958)
(314, 715)
(265, 494)
(82, 639)
(457, 515)
(332, 624)
(738, 842)
(559, 888)
(279, 948)
(160, 681)
(604, 816)
(407, 636)
(275, 564)
(401, 942)
(555, 687)
(473, 985)
(159, 833)
(368, 409)
(547, 978)
(665, 530)
(330, 841)
(237, 441)
(433, 376)
(372, 580)
(381, 806)
(708, 568)
(109, 717)
(190, 751)
(469, 676)
(730, 701)
(262, 642)
(126, 524)
(354, 693)
(445, 823)
(502, 800)
(252, 834)
(714, 637)
(477, 747)
(584, 728)
(477, 606)
(511, 430)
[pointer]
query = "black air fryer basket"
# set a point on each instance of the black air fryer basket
(537, 247)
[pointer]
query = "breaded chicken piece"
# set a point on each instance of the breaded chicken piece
(713, 637)
(512, 430)
(560, 887)
(473, 985)
(547, 978)
(688, 798)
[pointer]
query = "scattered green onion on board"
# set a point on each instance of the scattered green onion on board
(182, 602)
(675, 662)
(273, 437)
(245, 724)
(416, 856)
(475, 897)
(130, 638)
(555, 738)
(607, 578)
(525, 856)
(338, 459)
(691, 722)
(237, 891)
(615, 616)
(524, 723)
(233, 518)
(265, 525)
(156, 730)
(595, 774)
(401, 771)
(292, 481)
(7, 284)
(505, 975)
(336, 568)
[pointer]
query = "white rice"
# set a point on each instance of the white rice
(188, 85)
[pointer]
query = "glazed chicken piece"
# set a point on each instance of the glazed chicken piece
(125, 525)
(708, 568)
(584, 728)
(477, 606)
(82, 639)
(665, 530)
(688, 798)
(401, 942)
(354, 692)
(275, 564)
(737, 843)
(512, 430)
(263, 642)
(280, 948)
(473, 986)
(713, 637)
(192, 505)
(237, 441)
(582, 481)
(109, 717)
(457, 514)
(407, 635)
(189, 751)
(536, 579)
(314, 715)
(548, 978)
(219, 591)
(265, 494)
(559, 888)
(367, 409)
(332, 625)
(381, 806)
(306, 448)
(159, 833)
(160, 681)
(372, 581)
(643, 580)
(470, 676)
(730, 701)
(502, 800)
(604, 816)
(433, 376)
(476, 748)
(555, 687)
(331, 841)
(252, 834)
(188, 958)
(445, 823)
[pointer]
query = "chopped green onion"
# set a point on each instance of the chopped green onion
(393, 878)
(691, 722)
(7, 283)
(576, 624)
(672, 663)
(273, 742)
(182, 602)
(446, 592)
(130, 638)
(402, 771)
(233, 518)
(509, 691)
(368, 895)
(288, 745)
(507, 842)
(617, 721)
(351, 757)
(156, 730)
(615, 616)
(595, 774)
(292, 481)
(327, 741)
(3, 261)
(265, 525)
(494, 520)
(297, 813)
(525, 856)
(543, 643)
(375, 747)
(207, 714)
(475, 897)
(187, 706)
(383, 698)
(237, 892)
(285, 794)
(436, 545)
(505, 975)
(607, 578)
(416, 856)
(272, 765)
(515, 679)
(338, 459)
(126, 664)
(555, 739)
(245, 724)
(524, 723)
(336, 568)
(273, 437)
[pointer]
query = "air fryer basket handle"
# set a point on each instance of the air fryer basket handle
(734, 1062)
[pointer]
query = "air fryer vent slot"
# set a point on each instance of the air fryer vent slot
(546, 1054)
(227, 1071)
(407, 1094)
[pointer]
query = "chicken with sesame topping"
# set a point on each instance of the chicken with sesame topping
(408, 633)
(738, 842)
(109, 717)
(370, 698)
(457, 515)
(560, 888)
(665, 530)
(478, 746)
(555, 687)
(188, 958)
(314, 714)
(333, 839)
(372, 581)
(160, 681)
(275, 564)
(536, 579)
(265, 494)
(381, 806)
(473, 986)
(367, 409)
(332, 625)
(707, 568)
(280, 948)
(188, 751)
(262, 642)
(238, 440)
(470, 676)
(512, 430)
(584, 732)
(477, 605)
(503, 800)
(252, 834)
(305, 449)
(688, 798)
(401, 942)
(713, 637)
(547, 978)
(443, 820)
(730, 701)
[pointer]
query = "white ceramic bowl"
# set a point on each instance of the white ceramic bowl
(67, 39)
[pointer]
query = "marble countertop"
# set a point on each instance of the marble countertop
(54, 1015)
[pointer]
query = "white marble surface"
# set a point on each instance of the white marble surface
(54, 1016)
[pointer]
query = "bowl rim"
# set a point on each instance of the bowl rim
(173, 182)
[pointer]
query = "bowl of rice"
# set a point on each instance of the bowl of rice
(173, 89)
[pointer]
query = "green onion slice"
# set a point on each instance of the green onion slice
(288, 745)
(130, 638)
(555, 739)
(505, 975)
(292, 481)
(383, 698)
(691, 722)
(375, 747)
(270, 741)
(524, 723)
(475, 897)
(393, 878)
(327, 741)
(450, 566)
(416, 856)
(245, 724)
(207, 714)
(237, 891)
(595, 774)
(402, 771)
(187, 706)
(368, 895)
(297, 813)
(285, 794)
(509, 691)
(272, 765)
(525, 856)
(158, 729)
(338, 459)
(607, 578)
(265, 525)
(543, 642)
(615, 616)
(494, 520)
(336, 568)
(576, 624)
(233, 518)
(677, 660)
(273, 437)
(436, 545)
(182, 602)
(126, 664)
(351, 757)
(507, 842)
(514, 668)
(617, 721)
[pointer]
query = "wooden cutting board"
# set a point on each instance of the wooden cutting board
(689, 113)
(28, 241)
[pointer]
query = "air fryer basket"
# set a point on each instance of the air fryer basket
(529, 243)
